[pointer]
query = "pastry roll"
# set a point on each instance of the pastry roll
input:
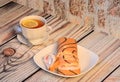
(66, 60)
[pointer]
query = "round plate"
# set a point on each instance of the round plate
(87, 59)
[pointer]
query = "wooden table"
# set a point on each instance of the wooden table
(21, 67)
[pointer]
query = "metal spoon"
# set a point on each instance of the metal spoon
(21, 37)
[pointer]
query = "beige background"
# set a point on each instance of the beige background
(103, 14)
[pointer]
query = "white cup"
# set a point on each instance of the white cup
(35, 35)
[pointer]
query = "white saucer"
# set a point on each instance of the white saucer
(22, 39)
(87, 59)
(25, 41)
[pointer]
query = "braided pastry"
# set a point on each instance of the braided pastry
(66, 60)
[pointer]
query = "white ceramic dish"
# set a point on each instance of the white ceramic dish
(87, 59)
(21, 39)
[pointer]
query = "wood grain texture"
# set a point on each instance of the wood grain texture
(35, 4)
(105, 67)
(20, 66)
(23, 2)
(110, 47)
(58, 28)
(103, 73)
(105, 14)
(115, 76)
(91, 73)
(4, 2)
(6, 8)
(10, 17)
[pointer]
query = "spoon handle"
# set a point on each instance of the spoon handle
(18, 31)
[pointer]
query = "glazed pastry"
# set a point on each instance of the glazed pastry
(66, 60)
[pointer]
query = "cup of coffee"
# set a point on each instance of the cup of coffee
(35, 29)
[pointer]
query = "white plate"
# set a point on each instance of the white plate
(87, 59)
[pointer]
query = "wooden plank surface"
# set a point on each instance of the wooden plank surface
(115, 76)
(108, 50)
(4, 2)
(104, 39)
(7, 8)
(36, 4)
(9, 17)
(21, 67)
(60, 28)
